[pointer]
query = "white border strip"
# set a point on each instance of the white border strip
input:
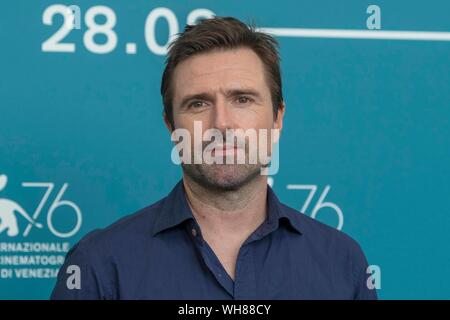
(357, 34)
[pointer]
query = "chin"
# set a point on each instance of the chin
(224, 177)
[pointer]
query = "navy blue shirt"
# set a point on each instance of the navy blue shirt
(159, 253)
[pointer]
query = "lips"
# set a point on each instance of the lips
(224, 150)
(227, 147)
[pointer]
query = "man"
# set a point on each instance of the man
(221, 233)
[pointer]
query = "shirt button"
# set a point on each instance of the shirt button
(194, 232)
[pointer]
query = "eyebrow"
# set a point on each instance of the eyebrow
(228, 93)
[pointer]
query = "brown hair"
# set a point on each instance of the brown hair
(222, 33)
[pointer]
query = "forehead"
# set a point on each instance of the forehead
(220, 69)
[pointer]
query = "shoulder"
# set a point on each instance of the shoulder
(333, 251)
(325, 240)
(122, 234)
(97, 255)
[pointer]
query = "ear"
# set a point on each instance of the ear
(167, 122)
(278, 123)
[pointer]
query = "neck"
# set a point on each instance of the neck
(237, 212)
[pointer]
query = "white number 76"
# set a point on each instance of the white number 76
(320, 203)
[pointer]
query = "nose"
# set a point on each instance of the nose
(222, 116)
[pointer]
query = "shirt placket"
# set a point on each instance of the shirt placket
(210, 259)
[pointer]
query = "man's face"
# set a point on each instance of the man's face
(223, 89)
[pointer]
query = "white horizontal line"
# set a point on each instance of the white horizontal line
(357, 34)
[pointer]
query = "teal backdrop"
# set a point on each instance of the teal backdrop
(365, 145)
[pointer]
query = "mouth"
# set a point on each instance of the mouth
(224, 150)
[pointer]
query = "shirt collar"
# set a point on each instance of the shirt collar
(175, 210)
(278, 211)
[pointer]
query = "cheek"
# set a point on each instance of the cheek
(188, 117)
(187, 121)
(256, 120)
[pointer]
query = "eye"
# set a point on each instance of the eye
(244, 99)
(196, 104)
